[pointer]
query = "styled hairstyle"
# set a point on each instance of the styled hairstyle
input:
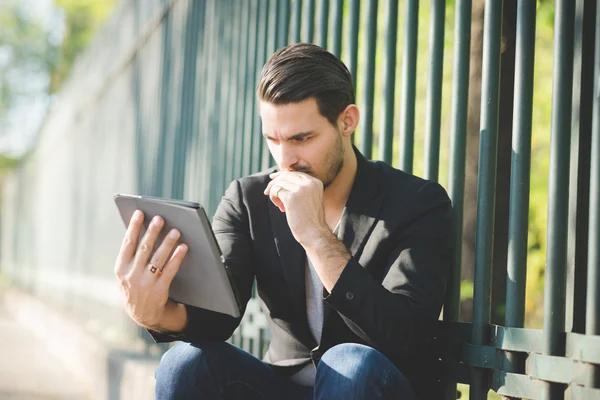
(300, 71)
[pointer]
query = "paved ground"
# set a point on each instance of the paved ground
(27, 371)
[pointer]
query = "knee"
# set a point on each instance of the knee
(181, 369)
(351, 371)
(351, 360)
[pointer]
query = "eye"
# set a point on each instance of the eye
(302, 139)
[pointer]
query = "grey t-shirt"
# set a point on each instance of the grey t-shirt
(314, 313)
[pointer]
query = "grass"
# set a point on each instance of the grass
(464, 390)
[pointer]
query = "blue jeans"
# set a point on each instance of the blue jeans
(220, 371)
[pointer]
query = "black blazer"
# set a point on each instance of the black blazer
(399, 231)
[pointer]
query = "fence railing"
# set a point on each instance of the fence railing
(163, 103)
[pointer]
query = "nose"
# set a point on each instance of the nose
(287, 156)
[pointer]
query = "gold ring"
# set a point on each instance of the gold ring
(152, 268)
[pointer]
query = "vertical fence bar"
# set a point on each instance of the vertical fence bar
(366, 127)
(434, 89)
(309, 21)
(226, 54)
(558, 192)
(520, 175)
(284, 23)
(219, 99)
(521, 163)
(242, 87)
(274, 27)
(585, 32)
(297, 34)
(386, 132)
(338, 22)
(232, 136)
(593, 289)
(250, 92)
(409, 84)
(353, 26)
(207, 106)
(486, 184)
(323, 23)
(458, 145)
(261, 49)
(271, 28)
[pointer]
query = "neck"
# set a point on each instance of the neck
(337, 193)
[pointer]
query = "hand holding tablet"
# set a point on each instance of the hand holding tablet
(200, 276)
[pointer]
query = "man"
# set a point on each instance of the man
(350, 258)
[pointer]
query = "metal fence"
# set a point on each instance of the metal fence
(163, 104)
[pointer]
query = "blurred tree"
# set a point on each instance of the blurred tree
(37, 52)
(27, 53)
(82, 19)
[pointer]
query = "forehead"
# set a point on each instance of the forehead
(289, 119)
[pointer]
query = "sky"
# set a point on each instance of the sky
(27, 116)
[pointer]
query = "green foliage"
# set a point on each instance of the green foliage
(36, 56)
(82, 19)
(26, 52)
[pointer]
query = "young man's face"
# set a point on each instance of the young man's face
(301, 139)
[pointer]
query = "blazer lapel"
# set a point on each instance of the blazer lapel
(293, 263)
(361, 214)
(362, 208)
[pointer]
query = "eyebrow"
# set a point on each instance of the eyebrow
(293, 137)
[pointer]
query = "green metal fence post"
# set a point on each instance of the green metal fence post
(323, 23)
(368, 92)
(235, 55)
(250, 106)
(458, 145)
(309, 21)
(593, 281)
(297, 33)
(261, 51)
(579, 207)
(520, 172)
(242, 95)
(338, 22)
(409, 83)
(434, 89)
(558, 192)
(386, 131)
(353, 26)
(283, 16)
(486, 184)
(456, 174)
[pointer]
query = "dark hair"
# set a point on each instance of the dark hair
(300, 71)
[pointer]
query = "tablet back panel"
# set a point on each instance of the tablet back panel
(202, 280)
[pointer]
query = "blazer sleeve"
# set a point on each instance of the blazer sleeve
(399, 314)
(231, 228)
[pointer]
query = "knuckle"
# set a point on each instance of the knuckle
(157, 261)
(144, 247)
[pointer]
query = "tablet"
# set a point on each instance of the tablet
(203, 279)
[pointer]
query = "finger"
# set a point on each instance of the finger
(130, 242)
(160, 256)
(147, 243)
(281, 179)
(278, 190)
(274, 196)
(172, 266)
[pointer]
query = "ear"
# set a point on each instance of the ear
(348, 119)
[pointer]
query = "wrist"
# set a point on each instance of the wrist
(173, 319)
(318, 239)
